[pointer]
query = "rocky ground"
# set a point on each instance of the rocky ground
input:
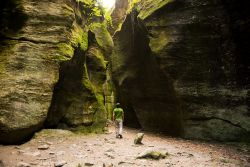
(63, 148)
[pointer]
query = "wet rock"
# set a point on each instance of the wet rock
(138, 138)
(23, 164)
(60, 163)
(153, 154)
(43, 147)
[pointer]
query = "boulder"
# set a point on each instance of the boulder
(138, 138)
(152, 154)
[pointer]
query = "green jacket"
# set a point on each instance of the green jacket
(118, 114)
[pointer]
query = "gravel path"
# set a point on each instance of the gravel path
(51, 148)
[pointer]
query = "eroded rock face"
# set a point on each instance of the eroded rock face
(51, 43)
(198, 68)
(29, 64)
(146, 93)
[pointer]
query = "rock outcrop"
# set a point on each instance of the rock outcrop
(53, 62)
(182, 64)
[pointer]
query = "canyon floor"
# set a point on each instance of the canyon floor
(50, 148)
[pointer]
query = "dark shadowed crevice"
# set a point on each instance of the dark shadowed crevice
(130, 117)
(67, 88)
(75, 100)
(239, 24)
(145, 91)
(12, 17)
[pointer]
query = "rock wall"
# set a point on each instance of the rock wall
(52, 62)
(185, 61)
(145, 92)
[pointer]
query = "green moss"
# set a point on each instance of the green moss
(99, 56)
(91, 10)
(87, 84)
(102, 36)
(150, 6)
(2, 68)
(79, 37)
(133, 4)
(66, 52)
(95, 128)
(159, 41)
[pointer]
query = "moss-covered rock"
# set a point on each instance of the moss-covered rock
(50, 63)
(102, 36)
(78, 100)
(29, 64)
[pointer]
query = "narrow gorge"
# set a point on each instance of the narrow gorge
(178, 67)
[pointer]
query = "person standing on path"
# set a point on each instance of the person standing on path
(118, 117)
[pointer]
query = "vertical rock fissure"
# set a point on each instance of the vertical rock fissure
(144, 89)
(67, 89)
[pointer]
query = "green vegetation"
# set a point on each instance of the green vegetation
(102, 36)
(150, 6)
(79, 37)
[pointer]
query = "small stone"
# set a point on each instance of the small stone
(110, 165)
(60, 163)
(110, 155)
(23, 164)
(125, 162)
(20, 152)
(43, 147)
(49, 143)
(110, 150)
(34, 163)
(17, 147)
(138, 138)
(153, 154)
(88, 164)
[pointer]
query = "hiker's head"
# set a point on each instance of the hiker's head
(118, 104)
